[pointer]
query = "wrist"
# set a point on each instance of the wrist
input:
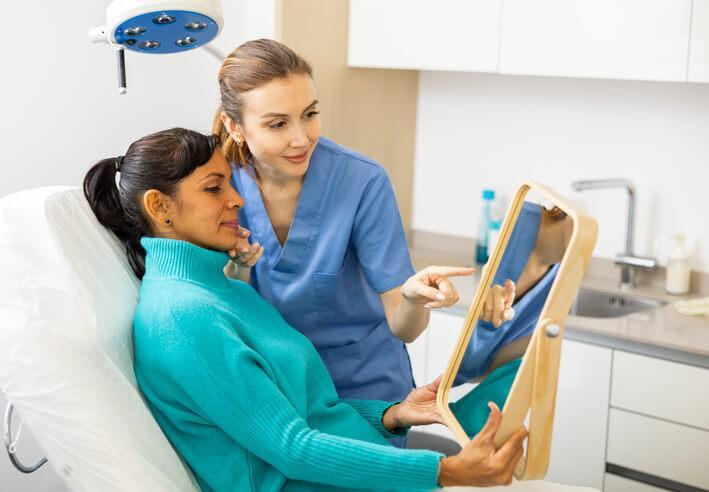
(447, 472)
(390, 420)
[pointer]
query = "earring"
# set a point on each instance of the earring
(168, 221)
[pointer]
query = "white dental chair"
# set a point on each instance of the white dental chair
(67, 297)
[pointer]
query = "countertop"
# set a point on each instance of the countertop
(660, 332)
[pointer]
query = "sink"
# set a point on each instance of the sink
(599, 304)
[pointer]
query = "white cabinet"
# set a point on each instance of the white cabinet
(659, 419)
(443, 332)
(579, 437)
(660, 448)
(699, 46)
(613, 39)
(455, 35)
(431, 351)
(660, 388)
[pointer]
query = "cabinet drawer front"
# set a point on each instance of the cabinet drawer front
(614, 483)
(672, 391)
(659, 448)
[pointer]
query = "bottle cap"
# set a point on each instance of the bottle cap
(488, 194)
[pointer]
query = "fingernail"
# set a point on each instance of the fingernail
(426, 306)
(440, 296)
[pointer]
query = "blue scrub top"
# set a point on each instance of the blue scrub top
(486, 340)
(346, 245)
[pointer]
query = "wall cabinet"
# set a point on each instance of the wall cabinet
(699, 45)
(611, 39)
(454, 35)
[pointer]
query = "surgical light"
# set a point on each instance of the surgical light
(154, 27)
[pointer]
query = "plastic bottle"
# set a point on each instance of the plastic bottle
(492, 235)
(678, 272)
(481, 255)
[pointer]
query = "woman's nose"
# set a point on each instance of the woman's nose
(299, 137)
(235, 200)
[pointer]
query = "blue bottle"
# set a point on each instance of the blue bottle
(481, 251)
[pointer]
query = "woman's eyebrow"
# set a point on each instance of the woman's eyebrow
(219, 175)
(283, 115)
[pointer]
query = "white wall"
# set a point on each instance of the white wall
(60, 112)
(477, 130)
(59, 103)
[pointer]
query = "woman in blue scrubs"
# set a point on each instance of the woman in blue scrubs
(335, 261)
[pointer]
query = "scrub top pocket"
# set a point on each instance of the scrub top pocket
(375, 365)
(339, 298)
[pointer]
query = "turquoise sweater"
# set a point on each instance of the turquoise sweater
(244, 397)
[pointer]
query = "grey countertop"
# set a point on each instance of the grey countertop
(658, 332)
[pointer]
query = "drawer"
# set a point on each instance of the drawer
(614, 483)
(659, 388)
(659, 448)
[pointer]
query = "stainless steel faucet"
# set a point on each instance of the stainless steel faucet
(627, 260)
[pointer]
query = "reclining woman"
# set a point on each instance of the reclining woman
(241, 395)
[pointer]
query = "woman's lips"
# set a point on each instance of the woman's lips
(233, 224)
(297, 159)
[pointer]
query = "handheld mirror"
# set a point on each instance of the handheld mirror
(511, 355)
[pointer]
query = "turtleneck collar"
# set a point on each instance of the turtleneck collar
(181, 259)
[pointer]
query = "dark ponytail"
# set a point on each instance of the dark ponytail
(115, 187)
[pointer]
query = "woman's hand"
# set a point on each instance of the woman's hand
(432, 288)
(479, 464)
(245, 255)
(419, 408)
(498, 304)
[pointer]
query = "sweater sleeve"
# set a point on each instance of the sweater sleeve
(232, 386)
(372, 411)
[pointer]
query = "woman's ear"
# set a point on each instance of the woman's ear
(158, 208)
(232, 127)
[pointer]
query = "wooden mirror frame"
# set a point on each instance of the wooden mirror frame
(534, 387)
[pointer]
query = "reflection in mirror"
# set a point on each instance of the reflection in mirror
(512, 307)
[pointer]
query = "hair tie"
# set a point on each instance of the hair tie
(119, 163)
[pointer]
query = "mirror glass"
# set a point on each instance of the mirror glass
(513, 304)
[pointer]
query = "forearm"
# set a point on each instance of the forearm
(277, 435)
(409, 320)
(381, 415)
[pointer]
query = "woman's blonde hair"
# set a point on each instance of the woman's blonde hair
(248, 67)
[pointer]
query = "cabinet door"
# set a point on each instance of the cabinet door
(458, 35)
(660, 388)
(418, 354)
(628, 39)
(658, 447)
(443, 332)
(579, 438)
(699, 46)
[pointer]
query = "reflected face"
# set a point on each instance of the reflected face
(205, 208)
(281, 126)
(493, 357)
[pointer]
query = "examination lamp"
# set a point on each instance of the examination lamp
(154, 27)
